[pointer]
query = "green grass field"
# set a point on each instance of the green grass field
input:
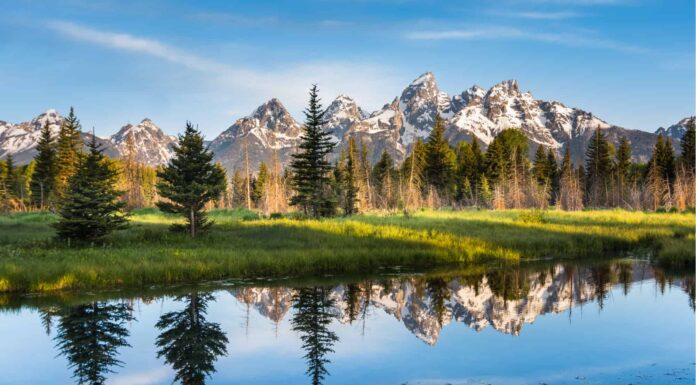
(147, 253)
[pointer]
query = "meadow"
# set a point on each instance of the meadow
(242, 245)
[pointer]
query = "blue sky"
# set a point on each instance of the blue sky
(631, 62)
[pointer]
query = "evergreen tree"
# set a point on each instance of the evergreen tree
(469, 169)
(90, 335)
(552, 174)
(310, 167)
(260, 184)
(507, 148)
(189, 342)
(486, 195)
(440, 160)
(623, 165)
(688, 147)
(44, 176)
(663, 156)
(311, 320)
(570, 186)
(238, 188)
(90, 208)
(11, 180)
(350, 183)
(383, 175)
(598, 167)
(69, 151)
(541, 166)
(189, 181)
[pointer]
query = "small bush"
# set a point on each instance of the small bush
(661, 209)
(276, 216)
(532, 216)
(250, 216)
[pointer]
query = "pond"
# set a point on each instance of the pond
(546, 323)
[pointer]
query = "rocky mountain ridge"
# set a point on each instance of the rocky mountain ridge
(478, 305)
(271, 131)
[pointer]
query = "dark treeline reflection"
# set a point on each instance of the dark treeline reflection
(90, 335)
(311, 321)
(189, 342)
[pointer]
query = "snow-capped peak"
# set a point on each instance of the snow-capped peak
(675, 131)
(425, 78)
(151, 145)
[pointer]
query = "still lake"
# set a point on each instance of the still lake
(618, 322)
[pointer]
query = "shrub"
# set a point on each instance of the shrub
(532, 216)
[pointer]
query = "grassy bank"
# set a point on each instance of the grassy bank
(147, 253)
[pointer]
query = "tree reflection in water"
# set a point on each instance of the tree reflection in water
(311, 320)
(89, 337)
(190, 343)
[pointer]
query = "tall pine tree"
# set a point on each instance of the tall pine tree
(663, 157)
(623, 165)
(68, 153)
(440, 160)
(189, 181)
(350, 182)
(90, 209)
(310, 167)
(688, 147)
(44, 176)
(260, 184)
(598, 168)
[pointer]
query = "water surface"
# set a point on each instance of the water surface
(555, 323)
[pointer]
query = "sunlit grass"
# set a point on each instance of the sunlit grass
(238, 246)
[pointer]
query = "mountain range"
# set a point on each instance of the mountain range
(479, 305)
(272, 131)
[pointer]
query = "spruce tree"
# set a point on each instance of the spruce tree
(552, 174)
(383, 170)
(467, 170)
(663, 156)
(11, 180)
(44, 176)
(189, 181)
(68, 152)
(90, 208)
(541, 169)
(350, 182)
(440, 160)
(598, 168)
(310, 167)
(383, 175)
(623, 164)
(688, 147)
(260, 184)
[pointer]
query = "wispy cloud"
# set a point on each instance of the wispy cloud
(129, 42)
(560, 15)
(580, 2)
(370, 84)
(507, 33)
(235, 19)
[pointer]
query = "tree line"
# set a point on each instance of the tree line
(91, 190)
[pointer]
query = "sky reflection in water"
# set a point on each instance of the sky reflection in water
(560, 323)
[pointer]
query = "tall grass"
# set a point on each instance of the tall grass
(239, 245)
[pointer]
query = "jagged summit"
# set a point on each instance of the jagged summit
(476, 112)
(675, 131)
(150, 144)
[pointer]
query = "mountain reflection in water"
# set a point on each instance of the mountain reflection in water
(91, 335)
